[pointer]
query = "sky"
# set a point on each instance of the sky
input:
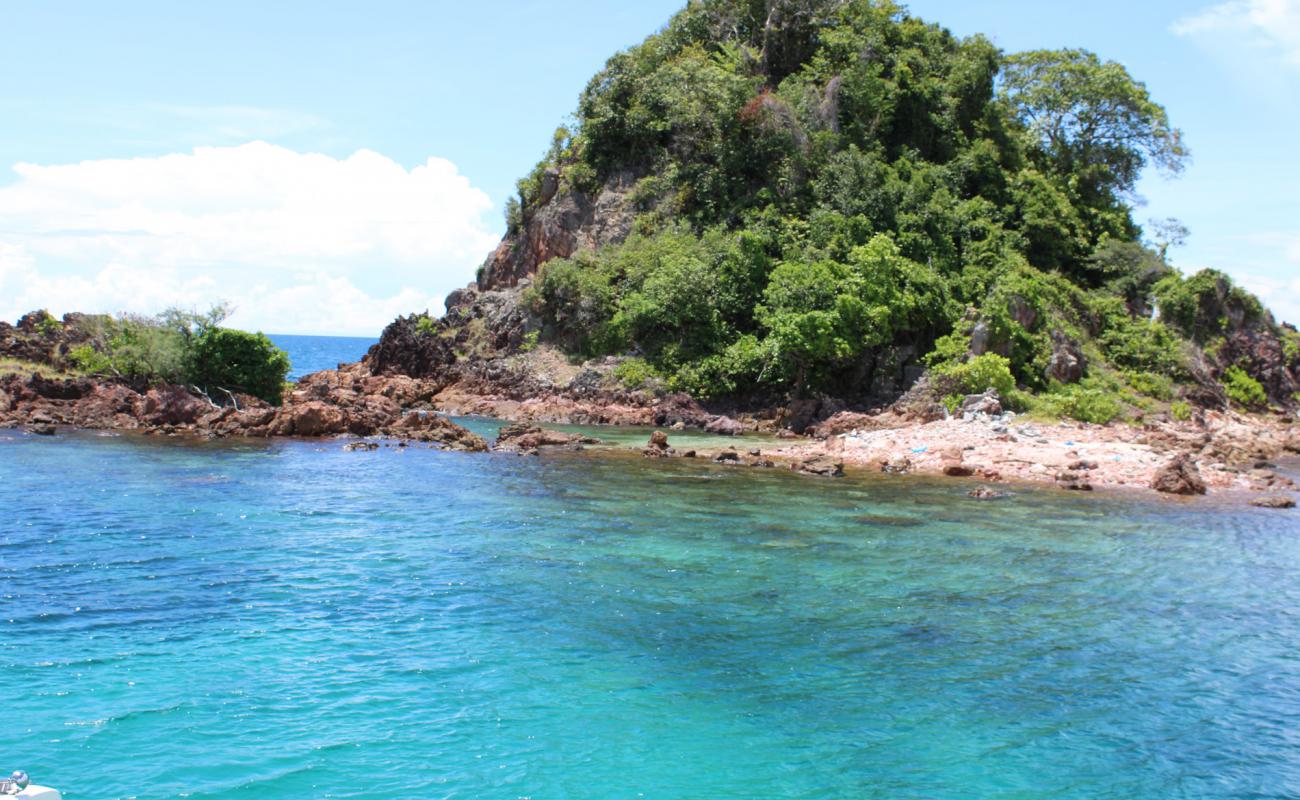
(325, 166)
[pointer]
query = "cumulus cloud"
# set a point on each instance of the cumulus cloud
(299, 242)
(1266, 26)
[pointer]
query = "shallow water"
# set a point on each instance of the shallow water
(287, 620)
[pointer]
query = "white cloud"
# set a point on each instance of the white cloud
(1267, 26)
(298, 242)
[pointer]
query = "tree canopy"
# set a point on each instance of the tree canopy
(829, 190)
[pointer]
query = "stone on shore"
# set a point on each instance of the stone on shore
(1180, 476)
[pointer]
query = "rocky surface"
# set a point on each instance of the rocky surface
(1179, 476)
(330, 403)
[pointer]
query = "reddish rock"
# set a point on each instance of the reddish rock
(523, 438)
(1180, 476)
(312, 418)
(171, 405)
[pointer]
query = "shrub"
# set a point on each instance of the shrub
(978, 374)
(185, 348)
(1242, 389)
(1151, 385)
(1088, 401)
(634, 373)
(231, 360)
(1180, 410)
(426, 325)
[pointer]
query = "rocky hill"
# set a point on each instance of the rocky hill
(785, 209)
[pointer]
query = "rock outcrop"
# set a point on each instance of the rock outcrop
(1180, 476)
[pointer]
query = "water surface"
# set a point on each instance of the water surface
(287, 620)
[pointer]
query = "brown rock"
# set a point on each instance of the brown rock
(1279, 501)
(523, 437)
(824, 466)
(1073, 481)
(312, 418)
(1180, 476)
(658, 440)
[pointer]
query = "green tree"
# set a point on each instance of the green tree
(1089, 118)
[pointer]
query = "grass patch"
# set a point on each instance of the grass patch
(14, 366)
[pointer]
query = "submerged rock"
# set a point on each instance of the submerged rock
(1278, 501)
(823, 466)
(521, 437)
(987, 493)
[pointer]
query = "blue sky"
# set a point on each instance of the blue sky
(327, 165)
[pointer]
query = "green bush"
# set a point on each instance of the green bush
(222, 359)
(978, 374)
(1180, 410)
(185, 348)
(1242, 389)
(1151, 385)
(634, 373)
(1087, 401)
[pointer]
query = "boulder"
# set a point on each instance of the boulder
(987, 403)
(312, 418)
(1067, 363)
(823, 466)
(171, 405)
(521, 437)
(951, 464)
(724, 426)
(437, 429)
(1278, 501)
(1180, 476)
(1073, 481)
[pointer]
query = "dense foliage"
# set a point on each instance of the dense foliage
(185, 348)
(830, 190)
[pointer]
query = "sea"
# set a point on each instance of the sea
(284, 619)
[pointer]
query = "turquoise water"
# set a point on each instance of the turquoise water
(287, 620)
(310, 354)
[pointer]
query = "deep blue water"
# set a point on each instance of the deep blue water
(287, 620)
(310, 354)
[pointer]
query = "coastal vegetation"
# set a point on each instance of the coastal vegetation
(181, 347)
(825, 193)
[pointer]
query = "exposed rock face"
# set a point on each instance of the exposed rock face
(1067, 363)
(561, 225)
(403, 350)
(1179, 476)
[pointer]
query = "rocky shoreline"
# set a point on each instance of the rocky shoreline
(1214, 452)
(1220, 452)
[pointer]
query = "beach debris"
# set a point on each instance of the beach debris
(1179, 476)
